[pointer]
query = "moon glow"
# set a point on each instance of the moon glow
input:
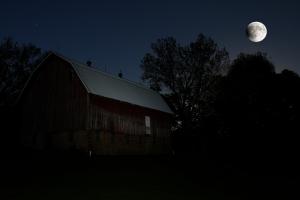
(256, 31)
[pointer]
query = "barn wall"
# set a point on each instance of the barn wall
(121, 117)
(119, 128)
(53, 101)
(102, 142)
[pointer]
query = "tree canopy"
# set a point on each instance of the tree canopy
(186, 74)
(259, 109)
(17, 61)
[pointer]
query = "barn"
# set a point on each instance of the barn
(68, 105)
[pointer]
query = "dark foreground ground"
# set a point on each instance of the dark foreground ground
(42, 176)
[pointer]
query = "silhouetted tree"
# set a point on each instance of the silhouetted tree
(259, 109)
(287, 115)
(17, 61)
(246, 102)
(187, 75)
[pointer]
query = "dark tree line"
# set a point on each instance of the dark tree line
(260, 111)
(17, 61)
(240, 111)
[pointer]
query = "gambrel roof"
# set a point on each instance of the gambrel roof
(109, 86)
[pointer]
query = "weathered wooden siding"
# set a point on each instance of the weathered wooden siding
(119, 128)
(54, 101)
(124, 118)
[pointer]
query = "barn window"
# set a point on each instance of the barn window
(147, 124)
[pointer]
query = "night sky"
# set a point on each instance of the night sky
(116, 34)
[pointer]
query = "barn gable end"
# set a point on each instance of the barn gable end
(54, 99)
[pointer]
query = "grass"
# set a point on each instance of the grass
(42, 177)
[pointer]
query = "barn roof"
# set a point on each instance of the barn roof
(105, 85)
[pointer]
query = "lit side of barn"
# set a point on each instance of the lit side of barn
(68, 105)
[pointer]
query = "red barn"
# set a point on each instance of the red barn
(68, 105)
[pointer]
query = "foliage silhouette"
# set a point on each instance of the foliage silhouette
(187, 75)
(259, 110)
(17, 61)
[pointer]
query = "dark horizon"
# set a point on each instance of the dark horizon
(115, 34)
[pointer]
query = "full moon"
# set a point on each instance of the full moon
(256, 31)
